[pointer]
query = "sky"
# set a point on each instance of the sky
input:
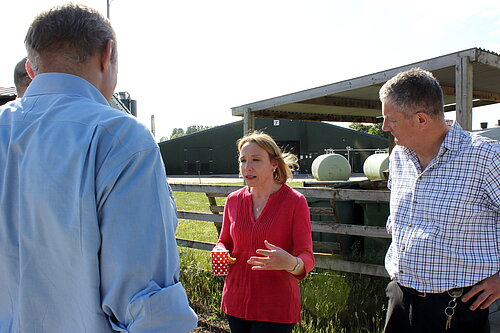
(188, 62)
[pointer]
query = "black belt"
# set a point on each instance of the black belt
(451, 292)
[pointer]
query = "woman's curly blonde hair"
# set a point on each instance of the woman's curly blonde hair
(287, 162)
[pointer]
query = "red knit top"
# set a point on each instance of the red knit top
(271, 296)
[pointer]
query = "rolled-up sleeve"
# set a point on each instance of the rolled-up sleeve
(225, 241)
(139, 263)
(154, 310)
(492, 179)
(388, 225)
(302, 236)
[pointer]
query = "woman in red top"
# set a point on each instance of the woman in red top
(267, 229)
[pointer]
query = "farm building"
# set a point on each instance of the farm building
(492, 132)
(213, 151)
(120, 101)
(7, 94)
(469, 79)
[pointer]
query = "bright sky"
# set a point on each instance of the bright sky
(189, 62)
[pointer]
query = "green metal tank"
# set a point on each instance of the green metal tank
(375, 165)
(331, 167)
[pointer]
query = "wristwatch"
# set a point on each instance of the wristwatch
(294, 267)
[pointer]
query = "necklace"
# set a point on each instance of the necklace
(262, 200)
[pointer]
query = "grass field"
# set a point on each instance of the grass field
(333, 302)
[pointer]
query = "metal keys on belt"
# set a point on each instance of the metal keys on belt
(450, 309)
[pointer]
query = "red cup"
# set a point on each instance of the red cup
(220, 262)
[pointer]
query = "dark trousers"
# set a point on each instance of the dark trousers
(409, 312)
(239, 325)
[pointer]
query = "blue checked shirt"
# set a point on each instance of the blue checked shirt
(444, 220)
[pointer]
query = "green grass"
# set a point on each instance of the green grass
(192, 201)
(333, 302)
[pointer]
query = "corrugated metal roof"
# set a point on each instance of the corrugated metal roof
(357, 100)
(116, 103)
(492, 133)
(489, 51)
(9, 91)
(7, 94)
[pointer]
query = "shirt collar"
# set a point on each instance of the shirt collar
(62, 83)
(453, 138)
(451, 142)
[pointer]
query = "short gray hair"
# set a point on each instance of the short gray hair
(21, 77)
(75, 32)
(412, 91)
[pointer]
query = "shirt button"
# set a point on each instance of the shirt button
(402, 248)
(401, 271)
(415, 201)
(410, 225)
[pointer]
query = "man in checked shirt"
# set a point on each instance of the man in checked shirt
(444, 214)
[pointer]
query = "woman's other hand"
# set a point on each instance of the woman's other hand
(275, 258)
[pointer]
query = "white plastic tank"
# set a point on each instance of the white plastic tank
(328, 167)
(375, 165)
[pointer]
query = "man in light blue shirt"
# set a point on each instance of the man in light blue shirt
(87, 220)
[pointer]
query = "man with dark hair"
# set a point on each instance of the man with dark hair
(87, 225)
(444, 214)
(21, 78)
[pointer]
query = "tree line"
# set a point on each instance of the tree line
(375, 129)
(178, 132)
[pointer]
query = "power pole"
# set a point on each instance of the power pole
(153, 125)
(107, 8)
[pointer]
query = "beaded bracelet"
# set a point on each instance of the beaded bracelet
(294, 267)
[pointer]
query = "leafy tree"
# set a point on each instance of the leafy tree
(177, 132)
(164, 138)
(196, 128)
(375, 129)
(360, 127)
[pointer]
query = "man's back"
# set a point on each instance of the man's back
(83, 232)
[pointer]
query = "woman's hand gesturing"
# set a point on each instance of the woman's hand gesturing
(274, 258)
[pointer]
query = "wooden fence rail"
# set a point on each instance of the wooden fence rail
(323, 260)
